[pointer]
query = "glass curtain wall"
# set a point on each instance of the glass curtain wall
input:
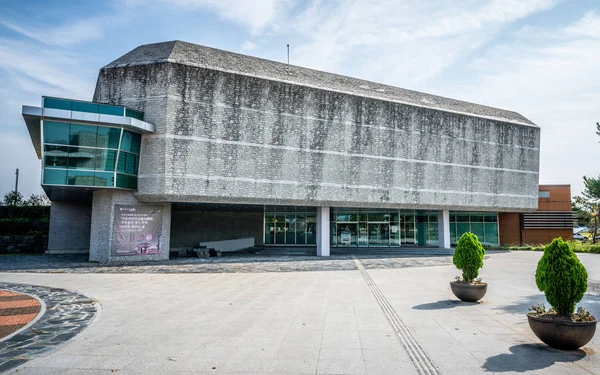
(290, 225)
(359, 227)
(89, 155)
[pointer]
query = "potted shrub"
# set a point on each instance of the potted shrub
(563, 279)
(468, 257)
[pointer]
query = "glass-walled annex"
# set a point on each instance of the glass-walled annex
(357, 227)
(81, 154)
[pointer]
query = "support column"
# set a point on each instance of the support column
(323, 231)
(444, 228)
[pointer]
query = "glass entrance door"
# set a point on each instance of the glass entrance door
(347, 234)
(379, 234)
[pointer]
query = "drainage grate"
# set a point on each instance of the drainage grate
(419, 357)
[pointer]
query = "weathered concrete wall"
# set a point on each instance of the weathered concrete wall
(103, 208)
(189, 228)
(230, 138)
(70, 225)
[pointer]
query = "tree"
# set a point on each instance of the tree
(13, 198)
(583, 215)
(590, 201)
(37, 200)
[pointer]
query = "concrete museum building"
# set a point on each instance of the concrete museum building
(185, 144)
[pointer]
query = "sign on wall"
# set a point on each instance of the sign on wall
(137, 230)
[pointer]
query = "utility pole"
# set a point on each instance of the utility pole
(288, 51)
(17, 181)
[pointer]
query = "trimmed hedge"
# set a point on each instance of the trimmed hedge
(24, 221)
(562, 277)
(468, 256)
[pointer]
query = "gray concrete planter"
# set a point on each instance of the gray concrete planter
(468, 292)
(562, 335)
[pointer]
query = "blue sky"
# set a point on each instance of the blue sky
(540, 58)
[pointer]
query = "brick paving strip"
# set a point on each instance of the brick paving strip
(418, 356)
(66, 314)
(16, 311)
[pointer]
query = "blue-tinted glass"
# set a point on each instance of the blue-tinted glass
(108, 137)
(85, 107)
(477, 229)
(83, 135)
(491, 218)
(56, 156)
(105, 160)
(104, 109)
(128, 163)
(491, 233)
(134, 114)
(55, 176)
(57, 103)
(81, 178)
(126, 182)
(104, 179)
(56, 132)
(131, 142)
(82, 158)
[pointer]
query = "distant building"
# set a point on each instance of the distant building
(553, 218)
(186, 144)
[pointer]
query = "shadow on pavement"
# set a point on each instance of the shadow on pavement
(440, 305)
(530, 357)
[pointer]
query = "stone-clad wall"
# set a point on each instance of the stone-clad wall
(103, 217)
(70, 224)
(223, 137)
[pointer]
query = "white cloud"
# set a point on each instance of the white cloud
(248, 46)
(70, 34)
(402, 43)
(256, 15)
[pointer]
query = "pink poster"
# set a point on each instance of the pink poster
(137, 230)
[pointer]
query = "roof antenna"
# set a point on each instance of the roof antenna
(288, 49)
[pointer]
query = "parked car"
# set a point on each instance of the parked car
(581, 237)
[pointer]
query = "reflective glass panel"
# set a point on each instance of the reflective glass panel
(56, 132)
(134, 114)
(363, 234)
(311, 228)
(57, 103)
(300, 229)
(82, 158)
(280, 229)
(491, 233)
(55, 176)
(477, 228)
(56, 156)
(82, 178)
(83, 135)
(104, 109)
(104, 179)
(105, 160)
(394, 234)
(128, 163)
(290, 234)
(85, 107)
(108, 137)
(269, 228)
(131, 142)
(347, 235)
(126, 182)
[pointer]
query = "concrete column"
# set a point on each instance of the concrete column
(323, 231)
(103, 219)
(444, 228)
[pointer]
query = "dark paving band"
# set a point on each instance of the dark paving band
(418, 356)
(67, 314)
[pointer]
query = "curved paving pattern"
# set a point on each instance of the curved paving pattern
(66, 315)
(16, 311)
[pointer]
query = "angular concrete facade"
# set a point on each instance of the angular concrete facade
(237, 129)
(235, 146)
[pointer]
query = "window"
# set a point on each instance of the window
(83, 135)
(543, 194)
(56, 132)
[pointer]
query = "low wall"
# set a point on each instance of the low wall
(229, 245)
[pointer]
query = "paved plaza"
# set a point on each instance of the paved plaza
(362, 318)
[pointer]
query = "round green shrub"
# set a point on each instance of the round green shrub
(561, 276)
(468, 256)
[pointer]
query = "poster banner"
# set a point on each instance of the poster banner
(137, 230)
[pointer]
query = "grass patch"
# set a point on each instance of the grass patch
(577, 246)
